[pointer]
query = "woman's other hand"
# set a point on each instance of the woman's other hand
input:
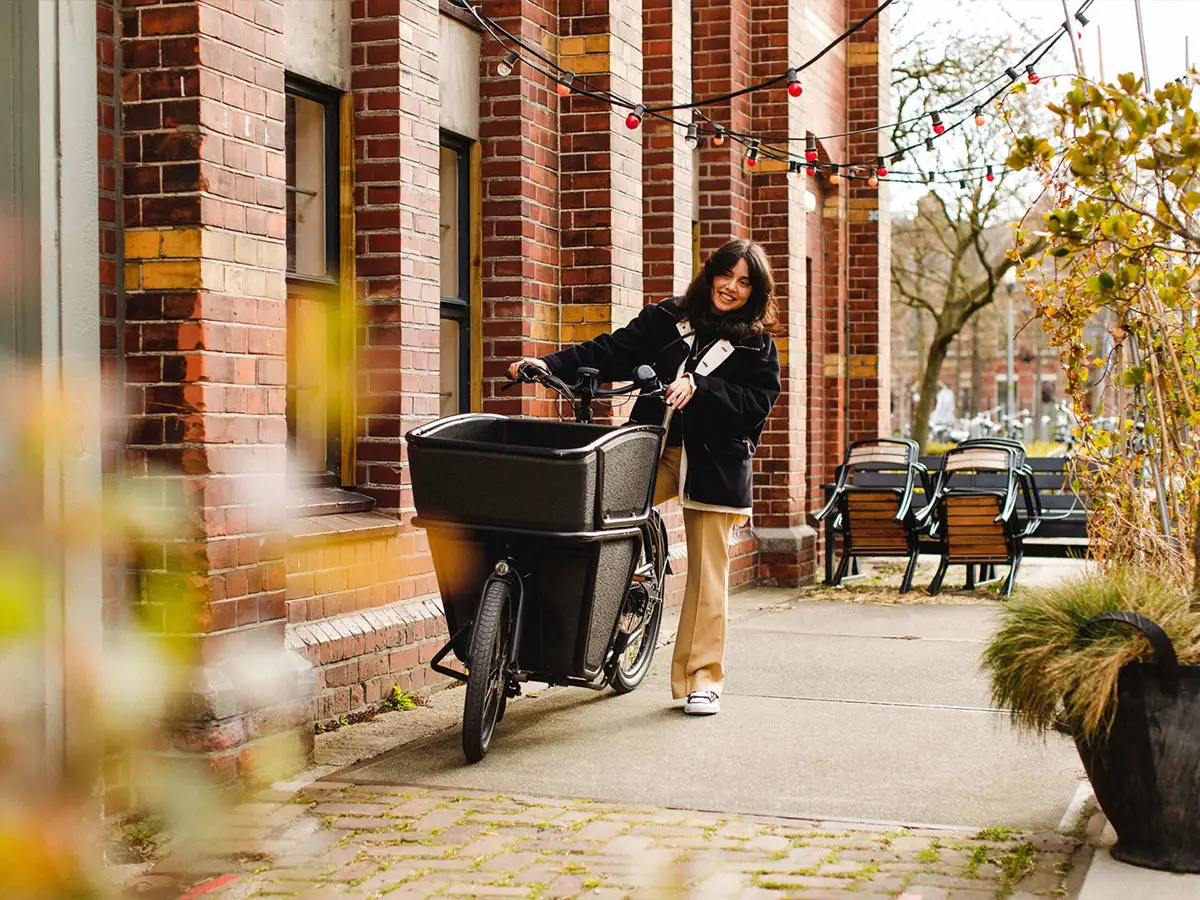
(528, 360)
(680, 392)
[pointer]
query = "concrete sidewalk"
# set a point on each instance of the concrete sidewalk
(831, 710)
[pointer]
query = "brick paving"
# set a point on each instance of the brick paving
(333, 840)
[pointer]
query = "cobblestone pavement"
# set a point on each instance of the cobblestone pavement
(334, 840)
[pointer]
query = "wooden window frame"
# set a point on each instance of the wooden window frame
(463, 308)
(337, 287)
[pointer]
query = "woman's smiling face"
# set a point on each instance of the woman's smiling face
(731, 290)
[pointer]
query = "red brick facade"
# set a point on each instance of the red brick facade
(580, 220)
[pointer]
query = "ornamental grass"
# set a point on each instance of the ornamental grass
(1048, 673)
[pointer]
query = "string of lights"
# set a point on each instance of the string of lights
(767, 146)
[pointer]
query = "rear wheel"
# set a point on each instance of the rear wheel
(487, 669)
(633, 662)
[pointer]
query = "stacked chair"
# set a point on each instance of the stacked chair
(972, 509)
(876, 519)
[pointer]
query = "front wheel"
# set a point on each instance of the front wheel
(633, 662)
(487, 669)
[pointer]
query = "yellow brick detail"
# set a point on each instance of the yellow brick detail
(596, 43)
(781, 345)
(572, 46)
(862, 54)
(545, 331)
(767, 164)
(165, 276)
(859, 215)
(864, 366)
(598, 313)
(572, 313)
(574, 334)
(133, 276)
(590, 65)
(141, 244)
(871, 202)
(181, 243)
(834, 366)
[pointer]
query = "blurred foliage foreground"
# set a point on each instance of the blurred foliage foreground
(94, 689)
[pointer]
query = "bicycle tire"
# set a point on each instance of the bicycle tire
(626, 678)
(486, 671)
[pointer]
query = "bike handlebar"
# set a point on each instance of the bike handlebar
(528, 373)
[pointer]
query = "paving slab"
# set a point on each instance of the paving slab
(1108, 879)
(847, 722)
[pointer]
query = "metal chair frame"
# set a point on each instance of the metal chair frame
(1020, 478)
(880, 455)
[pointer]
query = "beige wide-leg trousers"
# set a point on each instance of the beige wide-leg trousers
(699, 660)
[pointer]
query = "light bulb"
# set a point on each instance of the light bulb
(938, 127)
(692, 138)
(990, 175)
(794, 88)
(979, 119)
(718, 135)
(872, 181)
(564, 86)
(810, 149)
(634, 119)
(505, 67)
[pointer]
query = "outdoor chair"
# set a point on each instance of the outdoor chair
(874, 518)
(972, 509)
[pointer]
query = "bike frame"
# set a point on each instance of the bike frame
(581, 396)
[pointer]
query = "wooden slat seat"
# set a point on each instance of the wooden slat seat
(1063, 528)
(972, 509)
(876, 518)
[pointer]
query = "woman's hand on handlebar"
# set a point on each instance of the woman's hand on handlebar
(680, 392)
(514, 369)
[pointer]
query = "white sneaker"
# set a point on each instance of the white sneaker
(702, 703)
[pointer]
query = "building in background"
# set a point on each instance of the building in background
(322, 223)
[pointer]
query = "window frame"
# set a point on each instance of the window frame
(329, 99)
(459, 308)
(323, 288)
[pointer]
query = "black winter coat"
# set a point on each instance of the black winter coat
(736, 387)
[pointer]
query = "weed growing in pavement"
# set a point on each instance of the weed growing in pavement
(931, 854)
(978, 857)
(1015, 865)
(995, 833)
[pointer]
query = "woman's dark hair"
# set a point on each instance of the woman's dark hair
(756, 317)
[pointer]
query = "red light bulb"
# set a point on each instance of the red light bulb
(794, 88)
(634, 119)
(938, 127)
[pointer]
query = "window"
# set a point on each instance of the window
(312, 150)
(455, 360)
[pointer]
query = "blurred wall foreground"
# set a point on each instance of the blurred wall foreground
(245, 245)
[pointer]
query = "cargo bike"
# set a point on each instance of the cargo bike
(550, 559)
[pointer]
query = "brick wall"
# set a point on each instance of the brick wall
(721, 56)
(204, 333)
(396, 216)
(583, 221)
(869, 281)
(345, 614)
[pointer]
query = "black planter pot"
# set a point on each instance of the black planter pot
(1146, 772)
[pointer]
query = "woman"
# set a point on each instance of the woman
(713, 347)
